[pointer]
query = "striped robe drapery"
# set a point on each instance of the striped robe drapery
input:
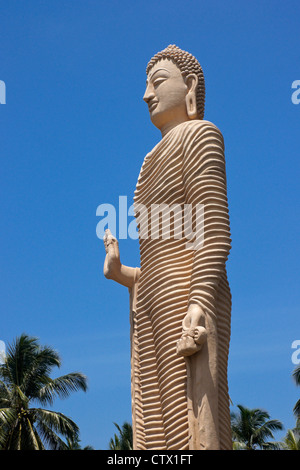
(181, 402)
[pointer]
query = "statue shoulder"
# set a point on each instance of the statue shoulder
(199, 125)
(197, 129)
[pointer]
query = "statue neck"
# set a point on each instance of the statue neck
(170, 125)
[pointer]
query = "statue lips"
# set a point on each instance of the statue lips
(152, 105)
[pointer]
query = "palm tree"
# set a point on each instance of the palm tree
(296, 376)
(252, 427)
(292, 440)
(124, 440)
(74, 444)
(24, 381)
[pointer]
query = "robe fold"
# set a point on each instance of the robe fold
(181, 403)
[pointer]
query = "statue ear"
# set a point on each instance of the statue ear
(191, 81)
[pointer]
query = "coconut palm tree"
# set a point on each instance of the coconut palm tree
(124, 440)
(25, 382)
(292, 440)
(251, 429)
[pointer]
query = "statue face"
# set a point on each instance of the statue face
(165, 94)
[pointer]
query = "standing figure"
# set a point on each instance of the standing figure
(180, 298)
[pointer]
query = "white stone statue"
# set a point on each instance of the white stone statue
(180, 297)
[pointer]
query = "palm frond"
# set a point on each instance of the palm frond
(57, 422)
(125, 438)
(41, 366)
(29, 436)
(19, 357)
(291, 440)
(296, 375)
(51, 439)
(61, 387)
(296, 409)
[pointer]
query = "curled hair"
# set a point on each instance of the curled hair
(187, 64)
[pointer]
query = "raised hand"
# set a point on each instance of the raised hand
(112, 263)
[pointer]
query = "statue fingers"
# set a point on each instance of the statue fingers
(105, 243)
(112, 246)
(200, 335)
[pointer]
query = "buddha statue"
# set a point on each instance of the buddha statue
(180, 300)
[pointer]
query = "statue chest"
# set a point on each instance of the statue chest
(160, 180)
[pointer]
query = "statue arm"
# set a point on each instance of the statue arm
(204, 178)
(113, 268)
(126, 276)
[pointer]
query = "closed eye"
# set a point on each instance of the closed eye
(158, 81)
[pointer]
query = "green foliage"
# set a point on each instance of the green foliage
(252, 429)
(74, 444)
(25, 380)
(123, 441)
(296, 377)
(292, 440)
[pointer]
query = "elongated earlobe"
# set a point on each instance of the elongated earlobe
(190, 99)
(191, 105)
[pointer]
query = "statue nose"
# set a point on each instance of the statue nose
(149, 94)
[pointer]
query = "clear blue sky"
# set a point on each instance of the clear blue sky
(74, 132)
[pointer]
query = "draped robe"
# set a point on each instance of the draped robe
(181, 402)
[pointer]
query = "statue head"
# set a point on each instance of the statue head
(175, 83)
